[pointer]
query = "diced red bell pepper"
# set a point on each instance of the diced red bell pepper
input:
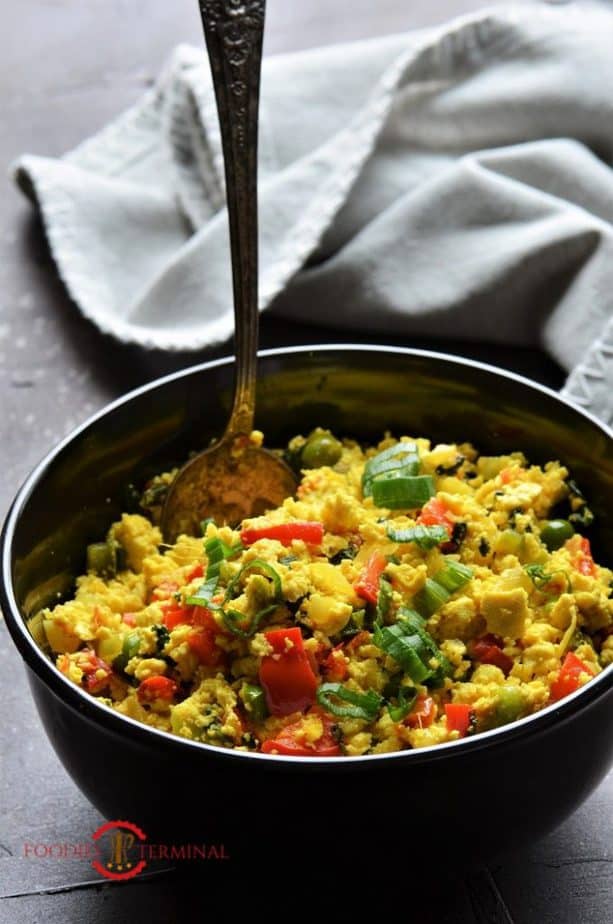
(423, 713)
(202, 642)
(367, 585)
(201, 616)
(286, 675)
(157, 687)
(96, 672)
(196, 572)
(581, 555)
(129, 619)
(361, 638)
(458, 716)
(569, 677)
(176, 615)
(310, 532)
(290, 741)
(334, 667)
(488, 650)
(436, 513)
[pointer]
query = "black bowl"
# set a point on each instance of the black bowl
(466, 800)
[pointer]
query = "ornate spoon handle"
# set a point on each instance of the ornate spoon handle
(233, 30)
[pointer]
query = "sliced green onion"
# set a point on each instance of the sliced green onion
(414, 649)
(216, 552)
(203, 595)
(401, 448)
(131, 645)
(416, 623)
(401, 491)
(254, 699)
(405, 701)
(384, 600)
(425, 537)
(444, 669)
(407, 649)
(355, 624)
(432, 596)
(402, 458)
(256, 564)
(454, 575)
(233, 619)
(360, 705)
(411, 618)
(244, 626)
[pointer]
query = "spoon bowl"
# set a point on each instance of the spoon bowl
(232, 480)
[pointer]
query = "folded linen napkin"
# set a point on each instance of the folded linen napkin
(450, 182)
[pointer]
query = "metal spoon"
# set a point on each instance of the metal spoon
(234, 479)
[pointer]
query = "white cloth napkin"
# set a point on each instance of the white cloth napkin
(452, 182)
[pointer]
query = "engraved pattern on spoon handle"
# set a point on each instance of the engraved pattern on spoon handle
(233, 30)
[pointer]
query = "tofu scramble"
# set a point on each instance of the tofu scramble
(409, 594)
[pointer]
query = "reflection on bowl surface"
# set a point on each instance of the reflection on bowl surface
(124, 767)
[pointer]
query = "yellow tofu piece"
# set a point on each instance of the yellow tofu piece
(505, 611)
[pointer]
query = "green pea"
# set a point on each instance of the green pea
(321, 449)
(555, 533)
(510, 705)
(101, 558)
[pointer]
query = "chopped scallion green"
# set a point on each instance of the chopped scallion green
(384, 599)
(238, 623)
(408, 643)
(131, 645)
(405, 647)
(425, 537)
(216, 552)
(432, 596)
(405, 701)
(359, 705)
(405, 492)
(454, 575)
(402, 458)
(245, 626)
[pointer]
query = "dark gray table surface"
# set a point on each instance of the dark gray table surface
(65, 68)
